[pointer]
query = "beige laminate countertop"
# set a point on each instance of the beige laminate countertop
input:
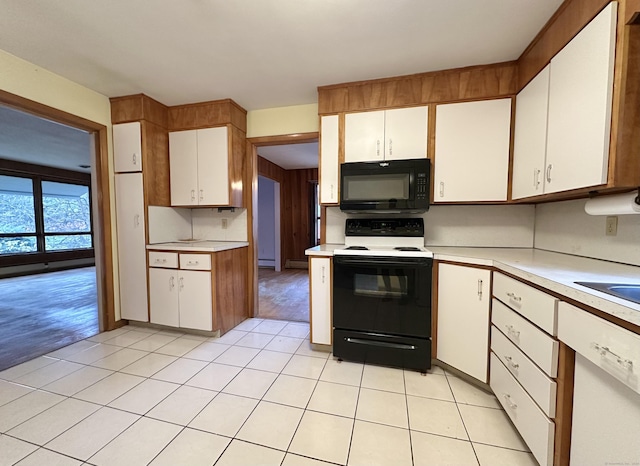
(198, 246)
(551, 270)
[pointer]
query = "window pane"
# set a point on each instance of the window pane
(17, 211)
(65, 242)
(66, 208)
(18, 245)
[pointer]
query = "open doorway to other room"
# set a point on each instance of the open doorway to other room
(287, 225)
(48, 286)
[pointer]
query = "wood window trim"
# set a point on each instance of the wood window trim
(103, 222)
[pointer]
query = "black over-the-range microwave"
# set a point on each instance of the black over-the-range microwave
(385, 187)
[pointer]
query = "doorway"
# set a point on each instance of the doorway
(76, 254)
(290, 168)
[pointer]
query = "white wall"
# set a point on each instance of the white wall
(565, 227)
(266, 222)
(458, 225)
(167, 224)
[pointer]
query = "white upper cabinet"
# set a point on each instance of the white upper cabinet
(472, 151)
(530, 139)
(127, 147)
(183, 167)
(199, 167)
(329, 159)
(364, 136)
(213, 163)
(386, 135)
(405, 133)
(580, 97)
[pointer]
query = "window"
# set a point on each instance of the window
(38, 216)
(67, 216)
(17, 216)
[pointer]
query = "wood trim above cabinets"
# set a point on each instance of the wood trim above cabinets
(460, 84)
(206, 115)
(295, 138)
(138, 107)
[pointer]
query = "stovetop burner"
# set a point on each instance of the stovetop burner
(406, 248)
(358, 248)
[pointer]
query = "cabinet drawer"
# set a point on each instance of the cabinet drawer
(536, 429)
(195, 261)
(539, 387)
(537, 345)
(612, 348)
(540, 308)
(167, 260)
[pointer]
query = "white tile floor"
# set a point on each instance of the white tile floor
(259, 395)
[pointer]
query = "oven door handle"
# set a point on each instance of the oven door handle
(362, 341)
(392, 263)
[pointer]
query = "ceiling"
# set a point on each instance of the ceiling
(27, 138)
(261, 53)
(292, 156)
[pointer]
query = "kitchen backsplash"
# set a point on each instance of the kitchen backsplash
(209, 224)
(565, 227)
(454, 225)
(167, 224)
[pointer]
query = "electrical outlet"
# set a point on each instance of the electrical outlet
(612, 226)
(224, 223)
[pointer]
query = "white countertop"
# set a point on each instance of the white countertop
(551, 270)
(198, 246)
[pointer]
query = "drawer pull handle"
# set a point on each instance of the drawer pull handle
(511, 331)
(605, 351)
(510, 403)
(514, 297)
(193, 263)
(512, 365)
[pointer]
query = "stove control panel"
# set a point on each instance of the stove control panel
(384, 227)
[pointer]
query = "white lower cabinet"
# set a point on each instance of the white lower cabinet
(534, 426)
(181, 298)
(606, 418)
(606, 391)
(163, 296)
(320, 297)
(132, 263)
(463, 318)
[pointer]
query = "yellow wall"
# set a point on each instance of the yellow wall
(282, 120)
(27, 80)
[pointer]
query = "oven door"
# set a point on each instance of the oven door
(386, 295)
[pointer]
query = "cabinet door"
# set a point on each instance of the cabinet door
(580, 96)
(530, 139)
(320, 296)
(127, 147)
(213, 166)
(183, 168)
(472, 151)
(463, 318)
(405, 133)
(606, 418)
(195, 300)
(364, 136)
(132, 255)
(329, 143)
(163, 296)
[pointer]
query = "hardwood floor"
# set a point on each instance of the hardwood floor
(41, 313)
(283, 295)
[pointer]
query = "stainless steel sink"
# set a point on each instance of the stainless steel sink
(628, 291)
